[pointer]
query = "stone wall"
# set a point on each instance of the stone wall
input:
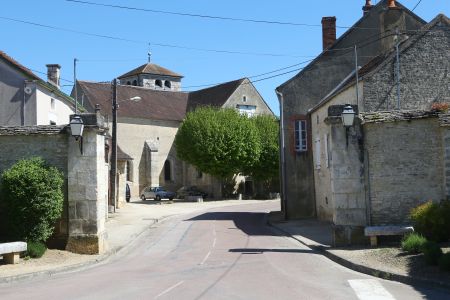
(424, 76)
(405, 167)
(48, 142)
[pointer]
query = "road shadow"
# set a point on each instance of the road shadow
(251, 223)
(262, 250)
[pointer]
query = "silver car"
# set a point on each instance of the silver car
(156, 193)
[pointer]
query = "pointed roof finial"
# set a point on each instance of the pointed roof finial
(149, 56)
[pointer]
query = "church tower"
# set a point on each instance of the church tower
(153, 77)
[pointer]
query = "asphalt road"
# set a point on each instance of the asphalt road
(222, 253)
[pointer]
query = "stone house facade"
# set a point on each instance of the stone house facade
(25, 99)
(371, 35)
(391, 160)
(147, 128)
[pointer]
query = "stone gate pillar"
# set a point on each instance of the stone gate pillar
(87, 191)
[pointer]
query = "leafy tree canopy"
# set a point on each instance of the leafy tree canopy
(220, 142)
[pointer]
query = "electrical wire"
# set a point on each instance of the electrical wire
(416, 5)
(145, 42)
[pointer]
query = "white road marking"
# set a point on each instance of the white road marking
(169, 289)
(370, 289)
(206, 257)
(214, 243)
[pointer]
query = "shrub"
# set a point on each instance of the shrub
(440, 106)
(432, 252)
(35, 249)
(33, 198)
(444, 262)
(432, 220)
(413, 243)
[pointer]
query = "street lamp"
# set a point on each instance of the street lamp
(76, 129)
(113, 174)
(348, 118)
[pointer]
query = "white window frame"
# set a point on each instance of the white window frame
(301, 136)
(317, 153)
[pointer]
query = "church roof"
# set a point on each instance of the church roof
(155, 105)
(151, 69)
(214, 96)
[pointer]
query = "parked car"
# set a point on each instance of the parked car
(190, 191)
(156, 193)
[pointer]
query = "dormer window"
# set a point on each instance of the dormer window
(244, 98)
(167, 84)
(158, 83)
(128, 82)
(135, 82)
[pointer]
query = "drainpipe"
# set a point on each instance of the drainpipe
(282, 158)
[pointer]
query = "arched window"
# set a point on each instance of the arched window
(158, 83)
(167, 171)
(135, 82)
(128, 82)
(167, 84)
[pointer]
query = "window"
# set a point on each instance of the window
(167, 84)
(52, 123)
(244, 98)
(248, 110)
(300, 136)
(129, 171)
(135, 82)
(167, 171)
(158, 83)
(199, 174)
(52, 103)
(128, 83)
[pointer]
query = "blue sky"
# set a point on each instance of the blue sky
(103, 59)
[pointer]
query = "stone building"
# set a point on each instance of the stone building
(25, 99)
(372, 35)
(147, 128)
(393, 159)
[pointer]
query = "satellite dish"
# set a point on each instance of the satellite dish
(28, 90)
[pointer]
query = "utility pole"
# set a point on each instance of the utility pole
(113, 174)
(397, 37)
(75, 83)
(357, 77)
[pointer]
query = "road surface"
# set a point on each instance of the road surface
(222, 253)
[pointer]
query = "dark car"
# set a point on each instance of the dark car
(190, 191)
(156, 193)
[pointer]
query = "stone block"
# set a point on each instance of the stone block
(88, 244)
(348, 235)
(82, 210)
(75, 227)
(89, 227)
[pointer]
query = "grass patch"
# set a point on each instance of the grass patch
(413, 243)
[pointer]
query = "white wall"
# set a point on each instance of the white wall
(323, 175)
(44, 112)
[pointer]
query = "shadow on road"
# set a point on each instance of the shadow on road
(260, 250)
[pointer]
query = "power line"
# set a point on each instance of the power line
(145, 42)
(416, 5)
(193, 15)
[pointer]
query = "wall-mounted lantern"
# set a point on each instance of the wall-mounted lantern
(76, 128)
(348, 115)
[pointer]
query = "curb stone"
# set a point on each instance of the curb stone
(368, 270)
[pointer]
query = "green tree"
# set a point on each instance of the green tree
(33, 197)
(267, 167)
(220, 142)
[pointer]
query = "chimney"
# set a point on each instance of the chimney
(53, 73)
(391, 4)
(328, 31)
(367, 7)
